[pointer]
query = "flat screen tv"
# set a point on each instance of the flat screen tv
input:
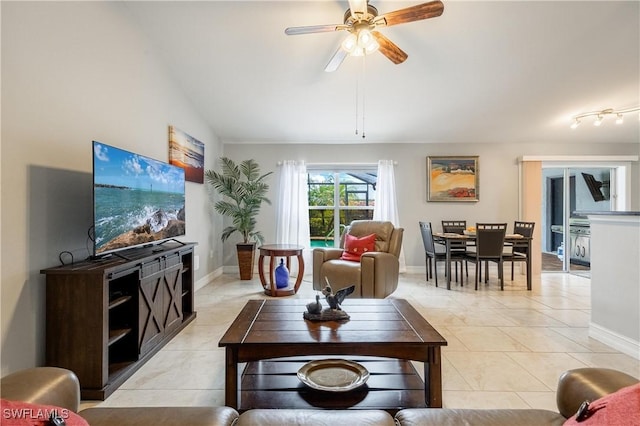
(594, 187)
(137, 200)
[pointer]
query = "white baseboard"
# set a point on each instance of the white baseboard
(208, 278)
(617, 341)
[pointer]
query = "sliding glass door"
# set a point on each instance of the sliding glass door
(567, 193)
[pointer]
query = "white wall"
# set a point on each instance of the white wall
(498, 180)
(615, 288)
(73, 72)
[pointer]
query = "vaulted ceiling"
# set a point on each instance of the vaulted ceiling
(504, 71)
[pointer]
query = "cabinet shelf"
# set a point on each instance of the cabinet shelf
(119, 301)
(117, 334)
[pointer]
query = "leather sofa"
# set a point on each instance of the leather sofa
(376, 275)
(60, 387)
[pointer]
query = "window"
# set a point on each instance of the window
(337, 197)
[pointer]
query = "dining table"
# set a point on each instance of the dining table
(510, 240)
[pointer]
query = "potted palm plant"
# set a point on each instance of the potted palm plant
(244, 190)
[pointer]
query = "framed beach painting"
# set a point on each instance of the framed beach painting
(187, 152)
(452, 179)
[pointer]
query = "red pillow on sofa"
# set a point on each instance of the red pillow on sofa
(354, 247)
(621, 408)
(20, 413)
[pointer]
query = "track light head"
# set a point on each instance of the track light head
(598, 121)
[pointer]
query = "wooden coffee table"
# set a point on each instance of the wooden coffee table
(390, 331)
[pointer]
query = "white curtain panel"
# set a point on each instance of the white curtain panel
(386, 207)
(292, 210)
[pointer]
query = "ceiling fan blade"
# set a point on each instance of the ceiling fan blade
(336, 60)
(358, 7)
(410, 14)
(314, 29)
(389, 49)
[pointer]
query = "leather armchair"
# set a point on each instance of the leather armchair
(376, 275)
(43, 385)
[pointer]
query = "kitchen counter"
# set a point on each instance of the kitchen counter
(603, 213)
(615, 280)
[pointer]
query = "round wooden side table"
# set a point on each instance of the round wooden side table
(274, 251)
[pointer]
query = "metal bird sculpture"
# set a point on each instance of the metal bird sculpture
(334, 300)
(315, 307)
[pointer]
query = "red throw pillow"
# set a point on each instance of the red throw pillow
(20, 413)
(621, 408)
(354, 247)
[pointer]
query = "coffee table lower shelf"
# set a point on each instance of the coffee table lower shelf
(392, 385)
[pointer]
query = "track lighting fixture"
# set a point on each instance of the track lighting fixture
(601, 115)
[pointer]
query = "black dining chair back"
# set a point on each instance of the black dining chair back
(429, 249)
(489, 247)
(427, 238)
(526, 230)
(434, 253)
(454, 226)
(490, 239)
(520, 250)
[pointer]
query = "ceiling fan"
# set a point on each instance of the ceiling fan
(361, 20)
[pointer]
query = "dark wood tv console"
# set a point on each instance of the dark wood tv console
(105, 318)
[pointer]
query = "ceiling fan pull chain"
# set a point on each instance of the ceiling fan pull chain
(364, 91)
(357, 99)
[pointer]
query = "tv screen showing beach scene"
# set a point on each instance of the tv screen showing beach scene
(136, 200)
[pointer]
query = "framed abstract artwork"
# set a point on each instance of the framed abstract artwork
(452, 179)
(187, 152)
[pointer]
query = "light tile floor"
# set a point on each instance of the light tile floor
(506, 349)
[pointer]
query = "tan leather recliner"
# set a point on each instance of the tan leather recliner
(376, 275)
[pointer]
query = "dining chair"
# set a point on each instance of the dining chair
(489, 248)
(520, 251)
(458, 247)
(435, 253)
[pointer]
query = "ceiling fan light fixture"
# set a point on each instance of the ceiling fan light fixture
(350, 43)
(575, 123)
(367, 42)
(619, 119)
(364, 37)
(372, 47)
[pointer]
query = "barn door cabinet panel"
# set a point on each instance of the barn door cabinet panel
(105, 318)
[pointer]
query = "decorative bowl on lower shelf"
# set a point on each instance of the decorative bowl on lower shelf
(333, 375)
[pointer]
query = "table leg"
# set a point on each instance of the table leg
(448, 265)
(528, 265)
(272, 280)
(300, 273)
(231, 378)
(433, 378)
(261, 271)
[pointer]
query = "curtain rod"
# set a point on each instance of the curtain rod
(341, 165)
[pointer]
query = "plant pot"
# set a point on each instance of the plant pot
(246, 256)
